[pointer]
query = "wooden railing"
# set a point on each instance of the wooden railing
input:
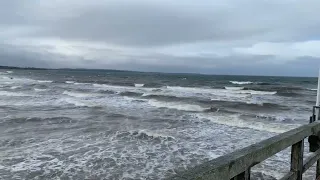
(237, 165)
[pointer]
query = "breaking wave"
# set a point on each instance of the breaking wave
(241, 82)
(44, 81)
(177, 106)
(138, 85)
(234, 88)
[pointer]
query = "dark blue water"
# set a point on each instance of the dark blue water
(90, 124)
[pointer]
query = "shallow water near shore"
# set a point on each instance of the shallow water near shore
(95, 124)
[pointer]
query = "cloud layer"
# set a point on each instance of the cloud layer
(217, 37)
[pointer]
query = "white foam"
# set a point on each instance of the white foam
(76, 94)
(190, 89)
(15, 87)
(71, 101)
(6, 93)
(176, 105)
(241, 82)
(39, 90)
(44, 81)
(235, 121)
(151, 134)
(138, 85)
(5, 77)
(70, 82)
(10, 80)
(81, 83)
(102, 86)
(9, 72)
(252, 92)
(234, 88)
(313, 89)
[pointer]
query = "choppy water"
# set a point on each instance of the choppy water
(63, 124)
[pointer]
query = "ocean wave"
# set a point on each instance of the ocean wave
(264, 83)
(177, 106)
(266, 117)
(241, 82)
(236, 121)
(274, 88)
(72, 101)
(153, 85)
(77, 94)
(234, 88)
(129, 84)
(289, 94)
(106, 92)
(191, 89)
(164, 97)
(129, 93)
(313, 89)
(15, 87)
(39, 90)
(77, 83)
(138, 85)
(70, 82)
(145, 134)
(247, 106)
(52, 120)
(17, 94)
(107, 86)
(232, 93)
(9, 72)
(45, 81)
(253, 92)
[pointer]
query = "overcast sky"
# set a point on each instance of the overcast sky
(255, 37)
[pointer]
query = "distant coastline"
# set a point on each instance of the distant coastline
(23, 68)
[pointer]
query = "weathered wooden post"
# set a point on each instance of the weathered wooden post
(297, 160)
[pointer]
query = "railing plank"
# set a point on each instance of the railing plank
(229, 166)
(310, 161)
(297, 160)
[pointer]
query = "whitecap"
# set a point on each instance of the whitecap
(235, 121)
(81, 83)
(6, 93)
(9, 72)
(39, 90)
(177, 106)
(15, 87)
(44, 81)
(252, 92)
(151, 134)
(234, 88)
(138, 85)
(241, 82)
(76, 94)
(70, 82)
(72, 101)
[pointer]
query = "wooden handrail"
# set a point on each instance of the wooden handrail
(237, 165)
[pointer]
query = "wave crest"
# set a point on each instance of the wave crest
(241, 82)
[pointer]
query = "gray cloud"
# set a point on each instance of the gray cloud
(183, 36)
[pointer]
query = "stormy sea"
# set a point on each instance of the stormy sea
(103, 124)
